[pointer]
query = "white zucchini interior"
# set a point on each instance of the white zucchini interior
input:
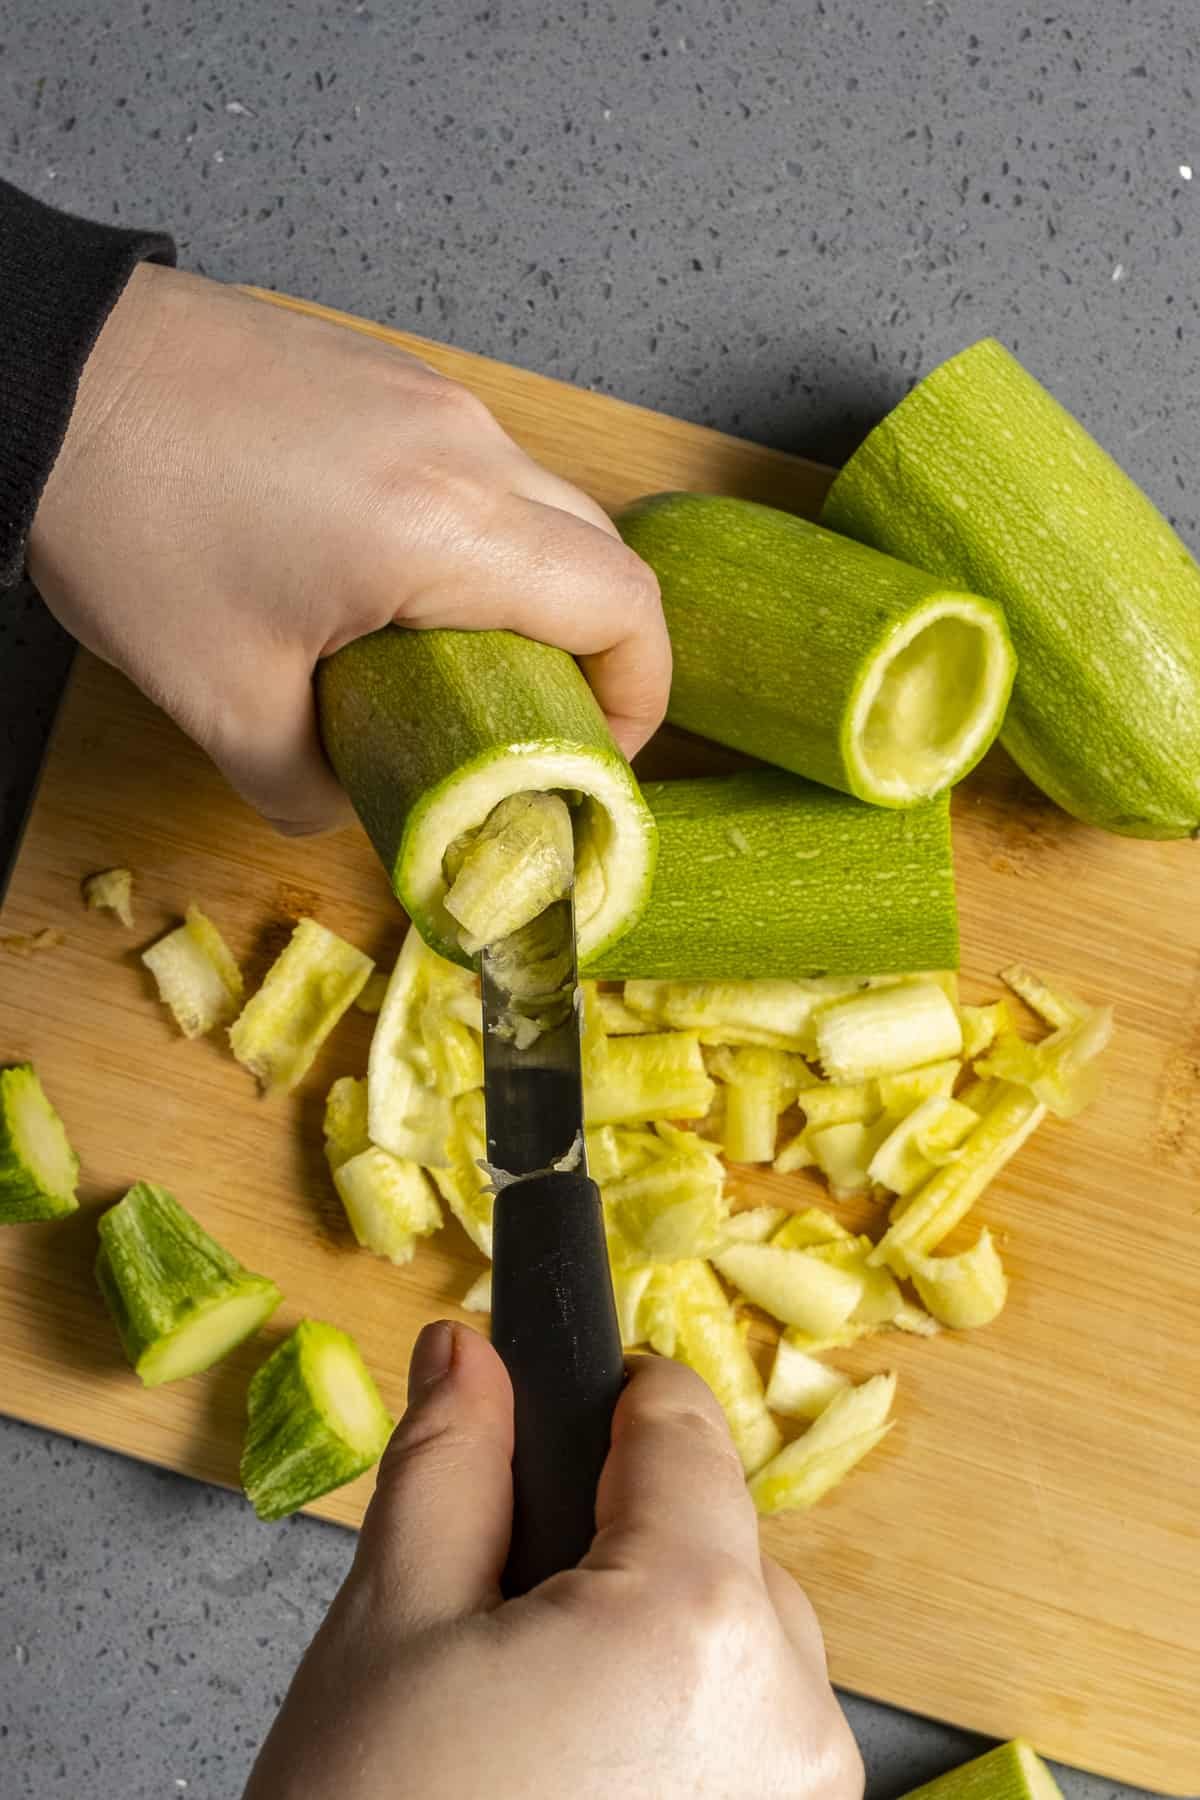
(614, 841)
(929, 703)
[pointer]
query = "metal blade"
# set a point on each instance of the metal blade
(533, 1095)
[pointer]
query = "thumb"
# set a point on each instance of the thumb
(436, 1534)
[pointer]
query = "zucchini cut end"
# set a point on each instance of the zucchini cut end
(932, 703)
(209, 1333)
(38, 1168)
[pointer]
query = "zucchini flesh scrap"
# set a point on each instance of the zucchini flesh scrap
(371, 999)
(519, 861)
(454, 1051)
(764, 875)
(459, 1178)
(1054, 1007)
(840, 1103)
(616, 1150)
(927, 1138)
(962, 1291)
(1009, 1772)
(388, 1202)
(314, 1421)
(631, 1079)
(887, 1029)
(819, 655)
(800, 1386)
(38, 1168)
(775, 1013)
(630, 1286)
(671, 1208)
(478, 1297)
(851, 1425)
(760, 1084)
(306, 990)
(934, 1209)
(794, 1154)
(346, 1121)
(690, 1319)
(509, 716)
(753, 1225)
(812, 1226)
(981, 477)
(405, 1113)
(179, 1300)
(111, 891)
(196, 974)
(1063, 1070)
(981, 1025)
(901, 1092)
(618, 1020)
(843, 1153)
(880, 1300)
(791, 1285)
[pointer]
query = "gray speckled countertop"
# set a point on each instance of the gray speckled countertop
(768, 217)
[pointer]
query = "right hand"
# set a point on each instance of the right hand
(675, 1663)
(243, 489)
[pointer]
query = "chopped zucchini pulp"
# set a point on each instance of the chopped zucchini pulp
(505, 874)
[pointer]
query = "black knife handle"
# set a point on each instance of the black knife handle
(554, 1322)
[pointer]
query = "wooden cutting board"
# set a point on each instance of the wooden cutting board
(1023, 1555)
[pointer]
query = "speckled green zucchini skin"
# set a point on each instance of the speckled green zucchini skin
(982, 477)
(763, 874)
(428, 730)
(776, 625)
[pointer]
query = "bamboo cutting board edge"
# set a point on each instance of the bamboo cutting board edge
(1064, 1614)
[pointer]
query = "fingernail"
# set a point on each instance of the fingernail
(432, 1356)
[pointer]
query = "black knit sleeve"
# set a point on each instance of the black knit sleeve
(60, 277)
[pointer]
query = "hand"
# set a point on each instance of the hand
(242, 490)
(674, 1661)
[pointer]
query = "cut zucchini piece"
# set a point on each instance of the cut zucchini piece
(920, 1143)
(506, 873)
(843, 1154)
(314, 1421)
(454, 1051)
(196, 975)
(851, 1425)
(1054, 1007)
(934, 1209)
(1009, 1772)
(617, 1150)
(840, 1103)
(764, 875)
(901, 1092)
(812, 1226)
(630, 1287)
(306, 990)
(478, 1297)
(429, 730)
(963, 1291)
(618, 1020)
(981, 477)
(688, 1311)
(671, 1208)
(461, 1181)
(887, 1029)
(881, 1299)
(346, 1121)
(373, 994)
(774, 1013)
(801, 1387)
(791, 1285)
(111, 891)
(760, 1084)
(981, 1025)
(180, 1301)
(1062, 1071)
(814, 653)
(38, 1168)
(754, 1224)
(405, 1113)
(794, 1154)
(388, 1202)
(631, 1079)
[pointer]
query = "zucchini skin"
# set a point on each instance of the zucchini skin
(775, 624)
(406, 715)
(981, 476)
(763, 874)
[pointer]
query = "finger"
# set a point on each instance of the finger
(269, 748)
(673, 1486)
(436, 1533)
(554, 577)
(794, 1610)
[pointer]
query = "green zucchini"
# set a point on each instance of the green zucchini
(38, 1168)
(429, 730)
(762, 874)
(179, 1300)
(819, 655)
(314, 1421)
(980, 476)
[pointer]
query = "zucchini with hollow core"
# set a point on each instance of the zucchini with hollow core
(429, 730)
(764, 874)
(982, 477)
(179, 1300)
(820, 655)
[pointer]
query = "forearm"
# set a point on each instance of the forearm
(60, 277)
